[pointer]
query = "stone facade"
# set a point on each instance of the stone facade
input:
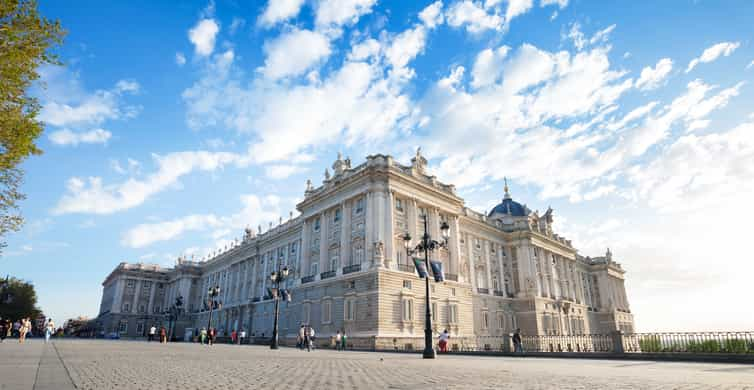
(504, 270)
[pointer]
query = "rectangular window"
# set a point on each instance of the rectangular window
(500, 321)
(349, 309)
(305, 316)
(314, 269)
(316, 225)
(485, 320)
(142, 309)
(359, 205)
(336, 217)
(326, 312)
(139, 328)
(407, 284)
(399, 205)
(434, 311)
(123, 326)
(452, 292)
(407, 306)
(126, 308)
(453, 314)
(130, 283)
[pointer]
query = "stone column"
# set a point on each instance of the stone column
(323, 241)
(500, 269)
(305, 249)
(455, 245)
(118, 299)
(369, 230)
(434, 224)
(150, 306)
(137, 292)
(412, 219)
(389, 227)
(254, 270)
(487, 264)
(345, 236)
(472, 266)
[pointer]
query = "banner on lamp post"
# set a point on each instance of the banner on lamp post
(421, 268)
(437, 270)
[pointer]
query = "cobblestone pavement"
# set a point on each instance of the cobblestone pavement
(89, 364)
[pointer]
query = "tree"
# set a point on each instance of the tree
(26, 38)
(18, 299)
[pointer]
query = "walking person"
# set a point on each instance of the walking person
(49, 329)
(151, 334)
(203, 336)
(3, 330)
(163, 335)
(23, 330)
(241, 336)
(344, 338)
(443, 343)
(301, 337)
(212, 333)
(311, 337)
(517, 347)
(337, 341)
(233, 336)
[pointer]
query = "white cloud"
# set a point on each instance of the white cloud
(488, 66)
(681, 178)
(127, 86)
(94, 109)
(751, 64)
(432, 15)
(67, 137)
(180, 59)
(714, 52)
(237, 23)
(280, 10)
(651, 78)
(473, 17)
(91, 196)
(282, 171)
(516, 8)
(203, 36)
(341, 12)
(255, 211)
(561, 3)
(294, 52)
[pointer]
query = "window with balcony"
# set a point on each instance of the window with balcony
(407, 310)
(349, 309)
(453, 314)
(326, 312)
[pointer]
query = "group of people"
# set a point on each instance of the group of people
(445, 337)
(208, 337)
(237, 337)
(340, 341)
(153, 332)
(305, 338)
(23, 328)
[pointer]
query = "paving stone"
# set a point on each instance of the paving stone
(101, 364)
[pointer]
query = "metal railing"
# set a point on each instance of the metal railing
(351, 268)
(328, 274)
(307, 279)
(480, 290)
(690, 342)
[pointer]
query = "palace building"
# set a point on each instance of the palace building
(504, 270)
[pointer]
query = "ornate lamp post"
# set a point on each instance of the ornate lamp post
(175, 311)
(212, 293)
(426, 245)
(277, 277)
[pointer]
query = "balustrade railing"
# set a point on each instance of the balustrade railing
(328, 274)
(351, 268)
(690, 342)
(483, 290)
(307, 279)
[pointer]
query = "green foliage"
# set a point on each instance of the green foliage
(737, 346)
(25, 40)
(650, 344)
(18, 299)
(708, 346)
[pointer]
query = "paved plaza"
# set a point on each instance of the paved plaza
(85, 364)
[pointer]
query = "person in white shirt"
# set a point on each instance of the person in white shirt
(49, 329)
(338, 339)
(152, 332)
(444, 336)
(241, 336)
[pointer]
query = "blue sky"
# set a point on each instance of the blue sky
(171, 127)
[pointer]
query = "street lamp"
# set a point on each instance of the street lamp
(212, 293)
(175, 311)
(277, 278)
(426, 245)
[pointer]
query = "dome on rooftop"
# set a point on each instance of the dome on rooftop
(509, 207)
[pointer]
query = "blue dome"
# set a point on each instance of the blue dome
(510, 207)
